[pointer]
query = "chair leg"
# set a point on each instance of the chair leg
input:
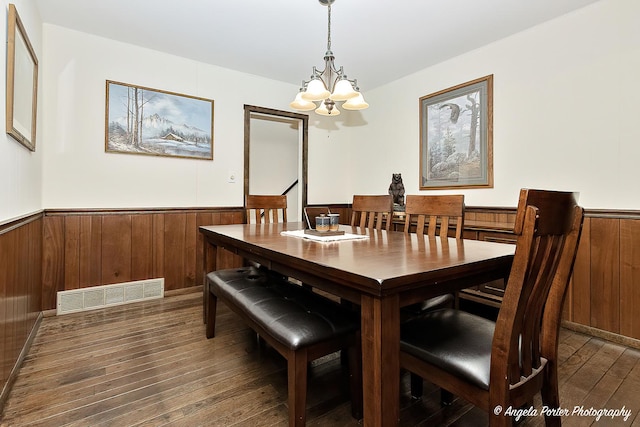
(355, 378)
(446, 397)
(297, 363)
(210, 310)
(550, 395)
(416, 386)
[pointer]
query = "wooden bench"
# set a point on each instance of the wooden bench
(299, 324)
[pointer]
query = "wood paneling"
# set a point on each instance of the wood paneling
(141, 246)
(629, 277)
(579, 298)
(20, 291)
(53, 267)
(116, 249)
(605, 273)
(91, 248)
(175, 235)
(604, 287)
(158, 245)
(72, 252)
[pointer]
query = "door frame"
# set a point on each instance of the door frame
(304, 128)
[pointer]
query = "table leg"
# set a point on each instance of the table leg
(209, 264)
(381, 360)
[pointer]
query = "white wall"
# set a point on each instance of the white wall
(566, 112)
(79, 174)
(20, 169)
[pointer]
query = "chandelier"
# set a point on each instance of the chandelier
(329, 85)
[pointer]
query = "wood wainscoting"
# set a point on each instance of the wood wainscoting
(84, 248)
(605, 286)
(20, 292)
(54, 250)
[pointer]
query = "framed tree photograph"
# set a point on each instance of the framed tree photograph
(140, 120)
(22, 83)
(456, 136)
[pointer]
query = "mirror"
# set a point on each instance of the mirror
(275, 156)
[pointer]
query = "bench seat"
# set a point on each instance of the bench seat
(298, 323)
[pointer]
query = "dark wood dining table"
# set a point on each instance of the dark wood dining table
(381, 273)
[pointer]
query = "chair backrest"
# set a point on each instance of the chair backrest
(435, 211)
(370, 211)
(526, 335)
(264, 208)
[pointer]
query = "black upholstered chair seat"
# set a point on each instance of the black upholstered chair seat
(295, 316)
(435, 303)
(453, 340)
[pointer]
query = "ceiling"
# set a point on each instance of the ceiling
(376, 41)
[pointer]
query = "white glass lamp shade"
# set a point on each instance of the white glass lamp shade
(301, 104)
(356, 103)
(343, 91)
(316, 91)
(323, 111)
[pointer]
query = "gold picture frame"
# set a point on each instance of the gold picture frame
(22, 83)
(154, 122)
(456, 136)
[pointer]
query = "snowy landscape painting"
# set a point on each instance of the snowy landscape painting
(456, 136)
(141, 120)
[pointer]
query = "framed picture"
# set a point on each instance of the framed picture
(22, 83)
(456, 136)
(140, 120)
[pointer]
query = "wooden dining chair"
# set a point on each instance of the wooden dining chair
(503, 364)
(259, 209)
(372, 211)
(266, 208)
(435, 213)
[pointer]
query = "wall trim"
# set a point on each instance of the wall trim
(133, 211)
(599, 333)
(8, 385)
(14, 223)
(592, 213)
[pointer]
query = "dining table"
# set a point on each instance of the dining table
(380, 271)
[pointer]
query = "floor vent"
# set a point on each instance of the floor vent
(104, 296)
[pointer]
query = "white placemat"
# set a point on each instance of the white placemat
(301, 234)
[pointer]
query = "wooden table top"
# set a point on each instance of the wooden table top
(385, 262)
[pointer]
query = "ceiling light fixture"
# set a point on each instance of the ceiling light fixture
(329, 85)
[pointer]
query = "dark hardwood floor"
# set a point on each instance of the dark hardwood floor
(149, 364)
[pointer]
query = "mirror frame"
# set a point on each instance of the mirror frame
(19, 89)
(304, 119)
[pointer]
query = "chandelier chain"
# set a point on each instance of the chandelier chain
(329, 27)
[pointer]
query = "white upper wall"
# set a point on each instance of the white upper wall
(566, 110)
(79, 174)
(20, 169)
(565, 114)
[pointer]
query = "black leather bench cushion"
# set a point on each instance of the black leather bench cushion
(453, 340)
(293, 315)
